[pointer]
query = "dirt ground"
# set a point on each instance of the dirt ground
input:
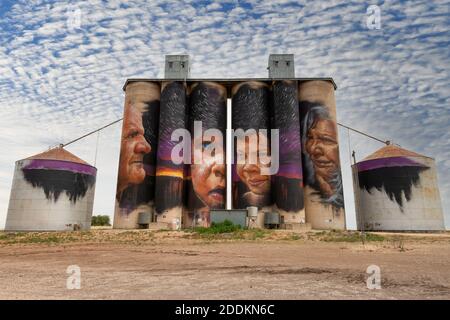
(251, 265)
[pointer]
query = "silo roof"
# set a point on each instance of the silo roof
(392, 151)
(226, 82)
(58, 153)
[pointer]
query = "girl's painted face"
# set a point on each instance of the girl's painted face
(250, 172)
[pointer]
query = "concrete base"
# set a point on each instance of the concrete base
(172, 218)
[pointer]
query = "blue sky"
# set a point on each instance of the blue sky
(59, 79)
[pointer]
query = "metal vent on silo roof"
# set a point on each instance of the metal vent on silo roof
(281, 66)
(177, 67)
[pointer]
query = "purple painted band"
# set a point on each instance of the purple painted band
(61, 165)
(388, 162)
(293, 171)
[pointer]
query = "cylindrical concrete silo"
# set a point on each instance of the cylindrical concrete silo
(51, 191)
(137, 162)
(287, 183)
(397, 190)
(251, 185)
(324, 197)
(169, 188)
(206, 179)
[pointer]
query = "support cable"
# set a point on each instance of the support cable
(387, 142)
(92, 132)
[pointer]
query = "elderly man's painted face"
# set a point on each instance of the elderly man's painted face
(208, 179)
(250, 173)
(133, 148)
(322, 147)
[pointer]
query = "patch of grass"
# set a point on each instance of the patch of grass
(127, 237)
(348, 236)
(13, 238)
(257, 233)
(374, 237)
(398, 243)
(295, 237)
(38, 239)
(44, 237)
(7, 236)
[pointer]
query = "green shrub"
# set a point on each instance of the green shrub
(257, 234)
(100, 221)
(222, 227)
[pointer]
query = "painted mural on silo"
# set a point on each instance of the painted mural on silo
(51, 191)
(55, 178)
(250, 114)
(136, 174)
(169, 175)
(206, 181)
(397, 190)
(287, 184)
(324, 197)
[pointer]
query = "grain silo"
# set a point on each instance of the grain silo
(397, 190)
(251, 186)
(135, 191)
(323, 192)
(51, 191)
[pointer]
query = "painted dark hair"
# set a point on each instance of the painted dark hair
(192, 201)
(251, 108)
(150, 119)
(169, 193)
(285, 105)
(208, 105)
(173, 110)
(173, 115)
(395, 181)
(287, 192)
(54, 182)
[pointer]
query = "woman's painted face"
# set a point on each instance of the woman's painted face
(133, 148)
(208, 177)
(250, 172)
(322, 147)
